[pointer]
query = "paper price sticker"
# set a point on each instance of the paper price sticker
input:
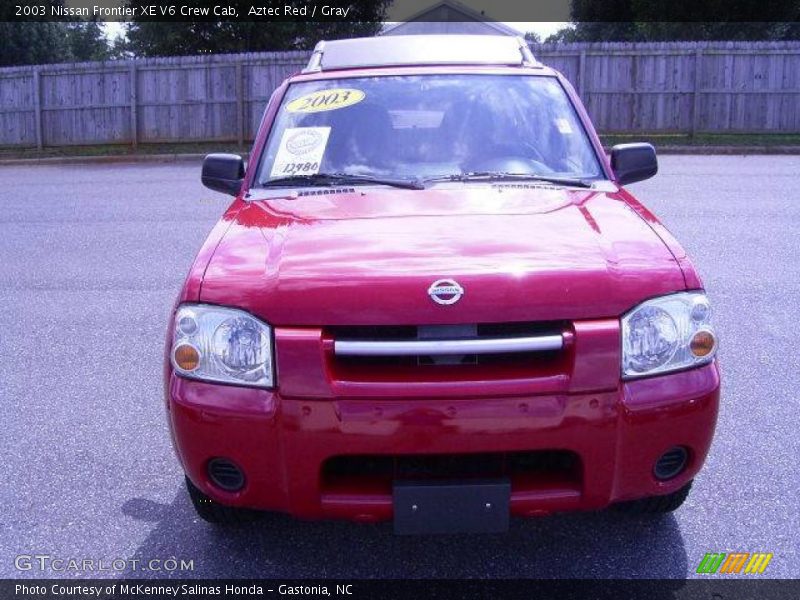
(300, 151)
(325, 100)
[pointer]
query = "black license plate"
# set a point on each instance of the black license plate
(451, 507)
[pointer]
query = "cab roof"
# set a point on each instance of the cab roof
(418, 50)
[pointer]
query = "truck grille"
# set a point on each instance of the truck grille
(479, 351)
(404, 332)
(485, 343)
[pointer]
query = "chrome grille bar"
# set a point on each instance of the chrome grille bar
(540, 343)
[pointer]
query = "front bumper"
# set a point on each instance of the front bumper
(281, 444)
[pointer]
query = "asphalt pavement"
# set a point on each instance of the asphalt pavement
(91, 259)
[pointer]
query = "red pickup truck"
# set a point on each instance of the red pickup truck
(432, 301)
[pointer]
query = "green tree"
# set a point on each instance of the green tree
(119, 48)
(87, 41)
(150, 38)
(40, 42)
(654, 21)
(532, 37)
(33, 43)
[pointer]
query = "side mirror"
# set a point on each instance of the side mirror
(223, 173)
(633, 162)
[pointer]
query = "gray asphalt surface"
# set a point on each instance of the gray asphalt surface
(92, 258)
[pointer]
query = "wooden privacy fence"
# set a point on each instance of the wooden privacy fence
(718, 87)
(182, 99)
(684, 87)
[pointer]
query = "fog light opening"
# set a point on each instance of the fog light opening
(671, 463)
(225, 474)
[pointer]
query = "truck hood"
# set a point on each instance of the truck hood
(369, 256)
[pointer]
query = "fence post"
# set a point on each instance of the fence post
(240, 103)
(134, 84)
(698, 58)
(581, 72)
(37, 107)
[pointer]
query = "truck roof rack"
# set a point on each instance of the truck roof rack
(411, 50)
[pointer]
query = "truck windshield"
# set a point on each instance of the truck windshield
(420, 127)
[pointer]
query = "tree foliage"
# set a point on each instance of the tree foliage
(41, 42)
(87, 41)
(654, 21)
(533, 38)
(149, 38)
(32, 43)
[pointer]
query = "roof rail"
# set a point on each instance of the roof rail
(412, 50)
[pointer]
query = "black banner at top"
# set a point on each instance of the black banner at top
(192, 10)
(277, 11)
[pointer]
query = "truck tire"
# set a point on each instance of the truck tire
(219, 514)
(655, 504)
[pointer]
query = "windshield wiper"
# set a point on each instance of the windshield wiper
(503, 176)
(342, 178)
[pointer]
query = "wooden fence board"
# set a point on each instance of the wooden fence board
(659, 87)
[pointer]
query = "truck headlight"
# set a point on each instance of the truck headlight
(666, 334)
(213, 343)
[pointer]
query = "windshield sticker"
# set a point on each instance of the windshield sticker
(416, 119)
(325, 100)
(300, 151)
(564, 126)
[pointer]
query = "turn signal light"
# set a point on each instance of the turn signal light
(187, 357)
(702, 343)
